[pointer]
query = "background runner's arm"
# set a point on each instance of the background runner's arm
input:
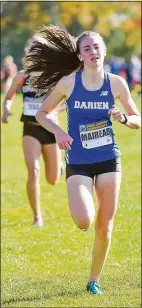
(10, 95)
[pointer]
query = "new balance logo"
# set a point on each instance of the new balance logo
(104, 93)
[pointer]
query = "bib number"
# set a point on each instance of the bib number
(31, 107)
(95, 135)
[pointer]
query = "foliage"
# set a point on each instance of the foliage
(118, 22)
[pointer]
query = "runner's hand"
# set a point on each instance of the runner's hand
(64, 141)
(115, 113)
(5, 116)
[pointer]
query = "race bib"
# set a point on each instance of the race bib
(95, 135)
(31, 106)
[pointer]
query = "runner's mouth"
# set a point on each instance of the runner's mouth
(94, 58)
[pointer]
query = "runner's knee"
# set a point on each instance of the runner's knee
(84, 223)
(52, 181)
(104, 231)
(33, 171)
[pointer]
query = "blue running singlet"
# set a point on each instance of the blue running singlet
(89, 124)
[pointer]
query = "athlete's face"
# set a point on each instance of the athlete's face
(92, 51)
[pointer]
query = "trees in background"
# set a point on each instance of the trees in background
(118, 22)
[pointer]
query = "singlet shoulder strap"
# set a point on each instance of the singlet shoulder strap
(78, 78)
(77, 81)
(108, 84)
(106, 79)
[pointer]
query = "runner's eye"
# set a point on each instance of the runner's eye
(96, 47)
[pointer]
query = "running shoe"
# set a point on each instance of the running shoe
(38, 222)
(94, 288)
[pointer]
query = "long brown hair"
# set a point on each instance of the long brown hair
(50, 55)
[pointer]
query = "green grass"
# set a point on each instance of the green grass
(49, 267)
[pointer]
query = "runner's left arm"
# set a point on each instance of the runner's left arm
(131, 118)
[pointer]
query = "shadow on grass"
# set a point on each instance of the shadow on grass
(36, 298)
(50, 296)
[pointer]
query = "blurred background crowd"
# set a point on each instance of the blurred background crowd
(118, 22)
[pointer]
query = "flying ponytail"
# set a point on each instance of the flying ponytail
(51, 54)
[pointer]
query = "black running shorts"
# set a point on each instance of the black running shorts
(38, 132)
(91, 170)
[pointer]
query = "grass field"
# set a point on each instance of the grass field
(49, 266)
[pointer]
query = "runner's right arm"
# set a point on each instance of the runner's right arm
(60, 92)
(16, 83)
